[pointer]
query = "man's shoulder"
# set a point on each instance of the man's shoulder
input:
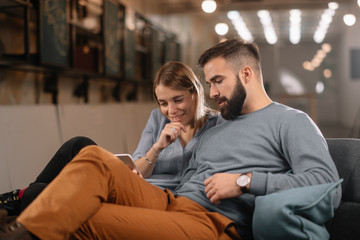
(284, 110)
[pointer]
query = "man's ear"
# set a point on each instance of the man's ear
(245, 74)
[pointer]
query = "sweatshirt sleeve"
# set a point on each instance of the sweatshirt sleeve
(306, 151)
(149, 134)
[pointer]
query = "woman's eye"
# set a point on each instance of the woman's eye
(178, 100)
(163, 104)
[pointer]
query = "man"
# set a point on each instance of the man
(264, 147)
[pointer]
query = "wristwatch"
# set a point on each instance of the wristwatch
(242, 182)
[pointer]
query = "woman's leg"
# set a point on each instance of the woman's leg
(93, 177)
(16, 201)
(62, 157)
(30, 194)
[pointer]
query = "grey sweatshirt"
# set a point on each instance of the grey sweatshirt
(281, 146)
(174, 159)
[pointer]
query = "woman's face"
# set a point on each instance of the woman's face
(176, 105)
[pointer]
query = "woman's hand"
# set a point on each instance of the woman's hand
(137, 173)
(168, 135)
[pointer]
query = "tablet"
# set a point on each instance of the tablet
(127, 159)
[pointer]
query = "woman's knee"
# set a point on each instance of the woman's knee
(80, 141)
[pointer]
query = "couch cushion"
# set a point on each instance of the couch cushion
(346, 155)
(295, 214)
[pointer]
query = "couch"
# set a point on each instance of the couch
(346, 222)
(304, 213)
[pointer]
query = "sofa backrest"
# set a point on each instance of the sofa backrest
(346, 155)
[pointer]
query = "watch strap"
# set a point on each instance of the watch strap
(244, 189)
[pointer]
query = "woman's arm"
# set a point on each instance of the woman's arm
(148, 150)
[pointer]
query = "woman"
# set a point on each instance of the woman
(173, 129)
(166, 144)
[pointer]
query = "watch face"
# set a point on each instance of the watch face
(243, 180)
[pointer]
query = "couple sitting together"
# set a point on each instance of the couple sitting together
(201, 172)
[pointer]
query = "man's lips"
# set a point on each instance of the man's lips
(220, 101)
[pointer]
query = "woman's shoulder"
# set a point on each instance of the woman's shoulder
(214, 116)
(157, 120)
(157, 115)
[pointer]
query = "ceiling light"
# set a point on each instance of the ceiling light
(268, 26)
(295, 26)
(240, 25)
(333, 5)
(221, 28)
(208, 6)
(349, 19)
(324, 23)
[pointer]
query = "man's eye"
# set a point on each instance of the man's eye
(178, 100)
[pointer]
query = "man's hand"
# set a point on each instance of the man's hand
(221, 186)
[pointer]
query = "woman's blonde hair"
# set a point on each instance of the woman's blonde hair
(179, 76)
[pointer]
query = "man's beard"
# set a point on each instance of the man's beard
(233, 106)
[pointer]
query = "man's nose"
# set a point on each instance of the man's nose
(213, 92)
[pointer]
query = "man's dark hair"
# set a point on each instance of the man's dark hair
(235, 51)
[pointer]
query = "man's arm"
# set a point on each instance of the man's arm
(222, 186)
(303, 148)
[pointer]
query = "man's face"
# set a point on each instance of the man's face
(225, 87)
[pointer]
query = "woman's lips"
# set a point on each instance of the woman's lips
(177, 118)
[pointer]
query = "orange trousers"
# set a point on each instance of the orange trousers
(96, 196)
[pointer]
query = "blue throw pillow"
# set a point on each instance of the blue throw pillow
(298, 213)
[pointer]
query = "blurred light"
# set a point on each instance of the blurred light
(333, 5)
(318, 58)
(324, 23)
(240, 25)
(268, 26)
(291, 84)
(320, 87)
(321, 54)
(208, 6)
(221, 28)
(307, 65)
(316, 62)
(349, 19)
(295, 26)
(233, 15)
(359, 3)
(223, 39)
(327, 73)
(326, 47)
